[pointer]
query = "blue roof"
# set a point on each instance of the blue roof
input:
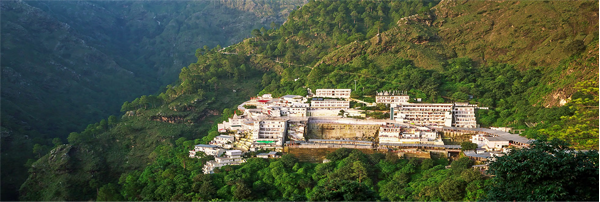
(206, 145)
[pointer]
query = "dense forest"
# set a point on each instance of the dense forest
(380, 45)
(66, 64)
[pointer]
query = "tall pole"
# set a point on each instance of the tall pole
(354, 85)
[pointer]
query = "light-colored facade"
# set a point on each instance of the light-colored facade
(270, 130)
(220, 162)
(460, 115)
(231, 157)
(224, 141)
(330, 104)
(391, 133)
(425, 114)
(210, 150)
(334, 93)
(268, 155)
(237, 123)
(464, 117)
(490, 143)
(392, 99)
(297, 110)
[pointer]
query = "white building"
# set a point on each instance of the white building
(425, 114)
(460, 115)
(268, 155)
(330, 104)
(389, 133)
(224, 141)
(464, 116)
(233, 153)
(392, 99)
(293, 98)
(490, 143)
(238, 123)
(399, 134)
(297, 110)
(220, 162)
(210, 150)
(270, 130)
(333, 93)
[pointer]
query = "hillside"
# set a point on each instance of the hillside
(333, 44)
(66, 64)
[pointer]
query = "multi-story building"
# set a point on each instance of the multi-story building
(237, 123)
(425, 114)
(460, 115)
(270, 130)
(330, 104)
(334, 93)
(392, 99)
(389, 133)
(464, 115)
(298, 110)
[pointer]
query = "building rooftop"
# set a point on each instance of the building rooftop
(499, 134)
(206, 145)
(473, 154)
(422, 145)
(291, 96)
(343, 141)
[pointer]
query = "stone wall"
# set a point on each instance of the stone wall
(342, 131)
(315, 155)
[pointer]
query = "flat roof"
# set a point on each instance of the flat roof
(495, 139)
(225, 136)
(206, 145)
(416, 145)
(473, 154)
(443, 104)
(499, 134)
(290, 96)
(357, 141)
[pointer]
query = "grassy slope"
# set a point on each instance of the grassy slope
(528, 34)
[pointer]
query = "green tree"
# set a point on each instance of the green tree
(125, 107)
(109, 192)
(38, 149)
(547, 171)
(342, 190)
(359, 171)
(273, 25)
(241, 191)
(56, 142)
(74, 138)
(112, 120)
(466, 146)
(256, 33)
(452, 190)
(581, 128)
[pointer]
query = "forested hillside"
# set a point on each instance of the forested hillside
(66, 64)
(430, 49)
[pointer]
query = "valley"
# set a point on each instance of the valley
(450, 69)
